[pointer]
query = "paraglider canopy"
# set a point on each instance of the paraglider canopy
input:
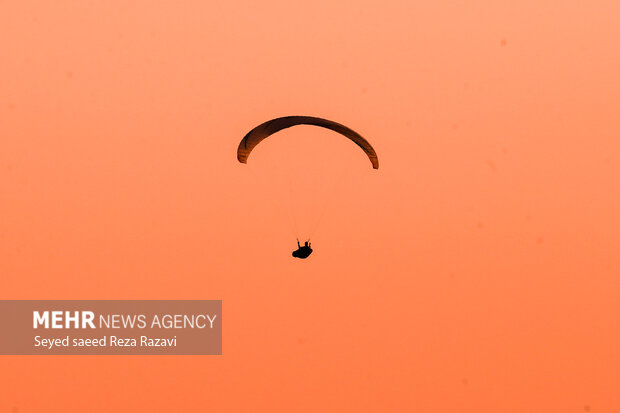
(264, 130)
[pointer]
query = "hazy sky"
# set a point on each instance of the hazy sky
(475, 271)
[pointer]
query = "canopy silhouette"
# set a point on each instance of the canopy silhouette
(264, 130)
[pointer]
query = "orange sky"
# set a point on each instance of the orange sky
(475, 271)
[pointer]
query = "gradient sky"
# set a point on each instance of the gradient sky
(475, 271)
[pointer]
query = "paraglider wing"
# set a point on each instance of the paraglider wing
(264, 130)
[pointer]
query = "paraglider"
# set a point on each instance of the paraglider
(303, 252)
(266, 129)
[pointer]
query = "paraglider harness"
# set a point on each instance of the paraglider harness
(303, 252)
